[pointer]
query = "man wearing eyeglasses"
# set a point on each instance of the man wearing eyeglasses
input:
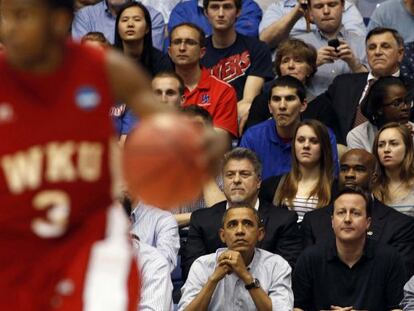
(187, 47)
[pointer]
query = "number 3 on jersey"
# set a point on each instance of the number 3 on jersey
(55, 223)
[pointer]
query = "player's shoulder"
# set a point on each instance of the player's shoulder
(85, 51)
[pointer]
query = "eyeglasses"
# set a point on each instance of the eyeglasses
(398, 102)
(189, 42)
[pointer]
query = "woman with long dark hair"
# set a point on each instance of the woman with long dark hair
(133, 36)
(309, 183)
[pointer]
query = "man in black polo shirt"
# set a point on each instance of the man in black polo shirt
(352, 273)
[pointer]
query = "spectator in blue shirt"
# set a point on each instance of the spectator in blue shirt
(271, 139)
(192, 12)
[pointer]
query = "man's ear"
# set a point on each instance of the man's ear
(221, 233)
(202, 52)
(368, 223)
(238, 13)
(261, 234)
(304, 105)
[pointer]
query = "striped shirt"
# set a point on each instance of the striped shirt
(157, 228)
(303, 205)
(156, 285)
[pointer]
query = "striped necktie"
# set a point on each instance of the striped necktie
(359, 117)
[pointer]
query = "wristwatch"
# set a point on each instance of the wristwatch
(254, 284)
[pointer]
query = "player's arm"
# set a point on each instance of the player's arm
(131, 85)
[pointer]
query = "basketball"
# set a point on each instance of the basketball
(164, 163)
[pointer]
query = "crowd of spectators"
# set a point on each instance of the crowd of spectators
(313, 205)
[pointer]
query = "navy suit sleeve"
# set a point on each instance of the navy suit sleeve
(268, 189)
(403, 241)
(306, 230)
(396, 279)
(195, 246)
(289, 241)
(321, 108)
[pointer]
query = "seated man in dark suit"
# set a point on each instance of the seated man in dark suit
(385, 51)
(241, 176)
(387, 225)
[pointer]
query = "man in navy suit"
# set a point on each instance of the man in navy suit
(385, 51)
(388, 226)
(241, 177)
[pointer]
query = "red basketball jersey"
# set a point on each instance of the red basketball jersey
(55, 181)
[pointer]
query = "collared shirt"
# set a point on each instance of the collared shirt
(408, 301)
(98, 17)
(156, 285)
(218, 98)
(351, 18)
(371, 77)
(375, 282)
(256, 206)
(272, 271)
(157, 228)
(327, 72)
(273, 152)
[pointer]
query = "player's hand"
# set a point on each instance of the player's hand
(235, 261)
(215, 145)
(326, 55)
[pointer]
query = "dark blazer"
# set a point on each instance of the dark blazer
(387, 226)
(343, 96)
(282, 235)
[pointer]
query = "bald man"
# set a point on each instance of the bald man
(357, 166)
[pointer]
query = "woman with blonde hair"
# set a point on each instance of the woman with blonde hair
(394, 183)
(309, 183)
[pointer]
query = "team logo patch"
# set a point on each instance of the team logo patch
(87, 98)
(6, 113)
(205, 99)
